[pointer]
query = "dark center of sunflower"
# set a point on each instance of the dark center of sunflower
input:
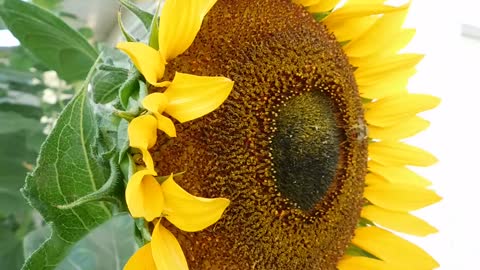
(305, 148)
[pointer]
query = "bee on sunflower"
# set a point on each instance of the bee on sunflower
(291, 116)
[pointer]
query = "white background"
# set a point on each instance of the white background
(450, 70)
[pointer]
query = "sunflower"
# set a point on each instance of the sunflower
(305, 150)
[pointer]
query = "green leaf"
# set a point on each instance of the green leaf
(129, 88)
(11, 122)
(50, 39)
(14, 162)
(48, 4)
(108, 247)
(11, 250)
(87, 32)
(145, 17)
(68, 168)
(106, 85)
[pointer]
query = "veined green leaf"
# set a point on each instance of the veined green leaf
(68, 168)
(107, 247)
(106, 85)
(50, 39)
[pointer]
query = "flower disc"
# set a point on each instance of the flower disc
(288, 147)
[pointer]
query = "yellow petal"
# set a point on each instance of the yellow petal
(397, 221)
(397, 174)
(306, 3)
(142, 134)
(395, 109)
(392, 249)
(398, 42)
(390, 84)
(190, 213)
(191, 96)
(360, 10)
(147, 159)
(373, 179)
(398, 63)
(323, 6)
(157, 103)
(147, 60)
(399, 154)
(144, 195)
(364, 263)
(350, 29)
(141, 260)
(379, 35)
(180, 22)
(399, 131)
(167, 253)
(397, 197)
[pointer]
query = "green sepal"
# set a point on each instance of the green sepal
(143, 16)
(128, 88)
(125, 33)
(353, 250)
(320, 16)
(153, 41)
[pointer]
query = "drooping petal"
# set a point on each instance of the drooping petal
(392, 110)
(166, 250)
(323, 6)
(398, 174)
(364, 263)
(399, 154)
(398, 42)
(157, 103)
(392, 249)
(147, 60)
(373, 179)
(360, 10)
(391, 84)
(142, 134)
(190, 213)
(397, 197)
(395, 64)
(397, 221)
(180, 22)
(380, 34)
(191, 96)
(399, 131)
(144, 195)
(141, 260)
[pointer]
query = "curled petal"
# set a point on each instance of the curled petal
(144, 195)
(180, 22)
(166, 250)
(191, 96)
(142, 259)
(156, 103)
(142, 134)
(147, 60)
(190, 213)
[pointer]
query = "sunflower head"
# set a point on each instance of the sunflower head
(288, 147)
